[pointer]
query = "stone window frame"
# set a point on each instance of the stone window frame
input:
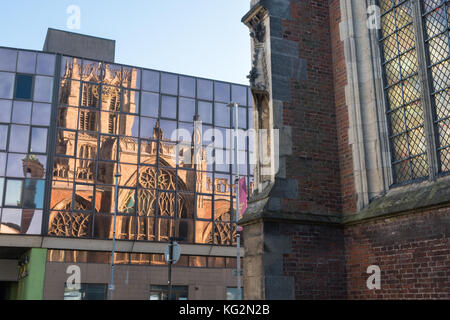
(365, 98)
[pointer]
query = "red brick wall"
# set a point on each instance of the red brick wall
(412, 251)
(311, 113)
(317, 261)
(342, 120)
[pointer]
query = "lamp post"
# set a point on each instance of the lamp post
(116, 199)
(237, 177)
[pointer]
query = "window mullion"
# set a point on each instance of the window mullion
(426, 98)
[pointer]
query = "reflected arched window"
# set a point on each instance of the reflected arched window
(86, 166)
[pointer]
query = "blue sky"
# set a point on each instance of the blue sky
(203, 38)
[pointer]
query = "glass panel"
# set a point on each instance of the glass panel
(24, 87)
(108, 147)
(222, 115)
(11, 221)
(150, 80)
(33, 194)
(129, 126)
(88, 120)
(169, 83)
(204, 89)
(3, 136)
(65, 143)
(150, 104)
(216, 262)
(38, 140)
(13, 195)
(186, 109)
(41, 114)
(130, 101)
(131, 78)
(43, 89)
(63, 169)
(197, 262)
(27, 62)
(45, 64)
(169, 107)
(239, 95)
(205, 111)
(187, 87)
(109, 123)
(18, 141)
(5, 111)
(2, 163)
(243, 118)
(2, 184)
(222, 92)
(15, 165)
(111, 98)
(90, 95)
(104, 199)
(8, 59)
(168, 129)
(112, 75)
(6, 85)
(21, 112)
(147, 127)
(204, 206)
(69, 93)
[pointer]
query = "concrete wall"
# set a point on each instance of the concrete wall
(133, 282)
(79, 45)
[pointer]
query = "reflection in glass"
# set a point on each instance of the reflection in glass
(222, 115)
(111, 98)
(131, 78)
(69, 93)
(112, 75)
(90, 95)
(13, 194)
(27, 62)
(130, 101)
(33, 194)
(11, 221)
(147, 128)
(6, 85)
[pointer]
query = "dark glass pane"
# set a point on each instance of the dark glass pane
(24, 86)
